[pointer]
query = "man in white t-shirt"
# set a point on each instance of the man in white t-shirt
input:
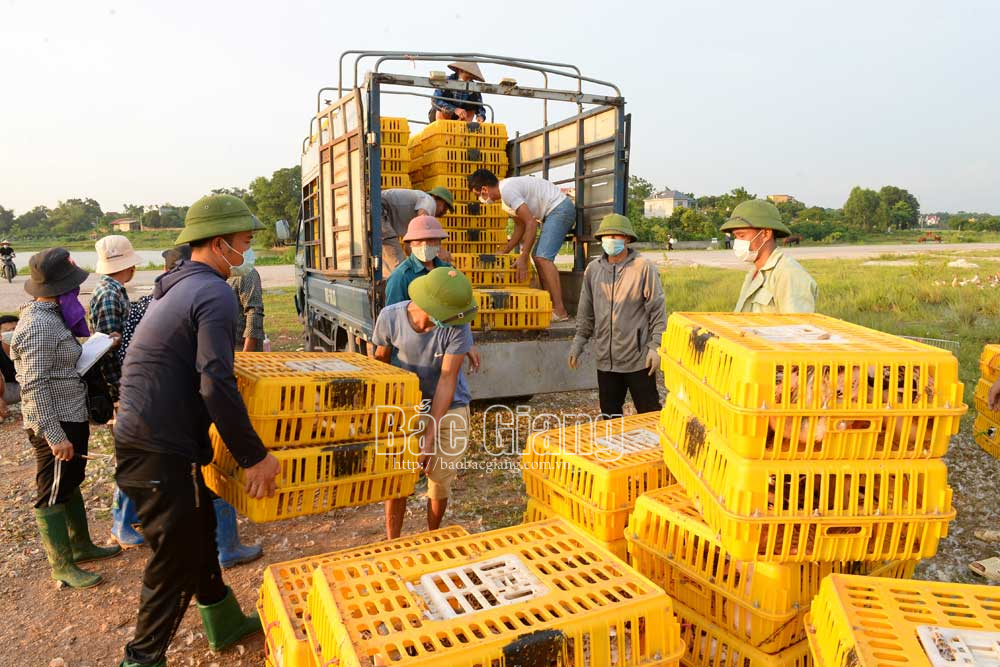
(532, 201)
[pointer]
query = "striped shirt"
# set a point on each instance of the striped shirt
(251, 297)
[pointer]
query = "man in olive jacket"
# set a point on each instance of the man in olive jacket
(623, 314)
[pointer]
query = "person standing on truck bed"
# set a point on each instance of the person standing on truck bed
(532, 202)
(623, 315)
(776, 283)
(398, 208)
(470, 107)
(177, 380)
(430, 335)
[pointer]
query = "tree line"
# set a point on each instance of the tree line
(889, 209)
(270, 199)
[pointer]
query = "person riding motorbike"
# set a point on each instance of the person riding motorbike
(7, 256)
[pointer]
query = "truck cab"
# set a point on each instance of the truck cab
(339, 270)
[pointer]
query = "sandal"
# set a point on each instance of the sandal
(987, 535)
(556, 318)
(988, 568)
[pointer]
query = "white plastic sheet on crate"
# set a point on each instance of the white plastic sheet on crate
(795, 333)
(630, 442)
(951, 647)
(485, 585)
(321, 366)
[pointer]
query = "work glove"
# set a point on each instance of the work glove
(652, 361)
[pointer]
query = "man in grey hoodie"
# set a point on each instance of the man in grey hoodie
(623, 314)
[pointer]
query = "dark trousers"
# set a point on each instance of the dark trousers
(178, 522)
(56, 480)
(612, 387)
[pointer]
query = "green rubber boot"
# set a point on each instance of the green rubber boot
(129, 663)
(225, 623)
(55, 538)
(83, 547)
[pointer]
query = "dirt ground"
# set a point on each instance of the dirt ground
(90, 628)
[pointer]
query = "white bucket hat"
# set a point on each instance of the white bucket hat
(465, 66)
(114, 254)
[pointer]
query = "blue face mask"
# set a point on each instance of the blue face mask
(612, 246)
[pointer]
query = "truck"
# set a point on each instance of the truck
(339, 273)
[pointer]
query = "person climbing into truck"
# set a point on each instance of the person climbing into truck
(776, 283)
(430, 335)
(399, 206)
(532, 202)
(622, 314)
(470, 107)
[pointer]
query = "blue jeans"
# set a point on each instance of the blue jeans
(555, 227)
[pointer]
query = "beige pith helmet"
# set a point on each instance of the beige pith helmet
(465, 66)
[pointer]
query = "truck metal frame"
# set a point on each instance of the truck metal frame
(339, 241)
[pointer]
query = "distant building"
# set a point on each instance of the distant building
(780, 199)
(126, 225)
(930, 220)
(662, 204)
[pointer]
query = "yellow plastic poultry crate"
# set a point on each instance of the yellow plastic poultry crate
(303, 466)
(512, 309)
(312, 383)
(987, 435)
(602, 524)
(457, 162)
(862, 621)
(395, 131)
(457, 185)
(474, 234)
(489, 136)
(307, 499)
(981, 400)
(989, 363)
(484, 224)
(608, 463)
(536, 511)
(708, 645)
(395, 160)
(808, 511)
(473, 210)
(490, 270)
(281, 602)
(812, 387)
(474, 248)
(533, 594)
(396, 181)
(758, 603)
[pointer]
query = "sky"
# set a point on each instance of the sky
(153, 102)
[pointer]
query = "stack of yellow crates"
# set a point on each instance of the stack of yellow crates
(804, 445)
(337, 424)
(542, 593)
(987, 426)
(445, 154)
(284, 595)
(592, 473)
(395, 153)
(861, 621)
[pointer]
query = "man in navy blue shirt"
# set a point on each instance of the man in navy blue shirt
(469, 106)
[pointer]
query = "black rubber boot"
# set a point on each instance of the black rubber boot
(83, 547)
(51, 523)
(225, 623)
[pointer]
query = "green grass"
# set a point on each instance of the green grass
(916, 300)
(281, 322)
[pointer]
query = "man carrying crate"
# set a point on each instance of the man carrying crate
(776, 283)
(398, 208)
(430, 335)
(177, 380)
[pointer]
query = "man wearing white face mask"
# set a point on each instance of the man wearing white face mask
(622, 314)
(776, 283)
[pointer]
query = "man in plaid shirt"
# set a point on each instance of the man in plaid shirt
(250, 327)
(109, 305)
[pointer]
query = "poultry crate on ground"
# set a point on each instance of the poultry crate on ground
(536, 511)
(762, 604)
(808, 386)
(863, 621)
(708, 645)
(807, 511)
(282, 601)
(989, 362)
(533, 594)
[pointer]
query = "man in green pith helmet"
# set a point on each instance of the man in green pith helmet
(177, 380)
(622, 314)
(430, 335)
(399, 206)
(776, 283)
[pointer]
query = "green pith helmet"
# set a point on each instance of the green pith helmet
(217, 215)
(615, 223)
(756, 214)
(444, 194)
(446, 295)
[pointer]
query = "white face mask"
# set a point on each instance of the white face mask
(741, 248)
(425, 253)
